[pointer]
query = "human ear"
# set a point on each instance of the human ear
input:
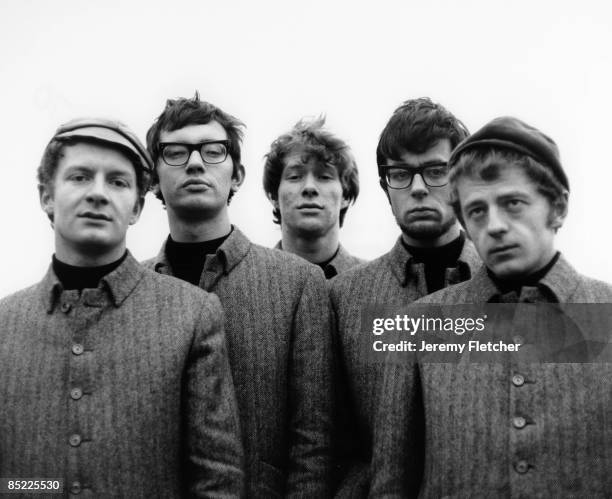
(45, 194)
(558, 211)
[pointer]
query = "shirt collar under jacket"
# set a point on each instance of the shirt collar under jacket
(405, 269)
(229, 254)
(341, 261)
(559, 283)
(118, 284)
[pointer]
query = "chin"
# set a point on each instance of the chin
(423, 230)
(508, 270)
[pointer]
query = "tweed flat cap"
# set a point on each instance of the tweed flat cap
(511, 133)
(106, 130)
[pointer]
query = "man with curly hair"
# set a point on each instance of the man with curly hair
(311, 178)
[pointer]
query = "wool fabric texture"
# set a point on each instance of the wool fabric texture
(121, 391)
(392, 279)
(278, 333)
(446, 430)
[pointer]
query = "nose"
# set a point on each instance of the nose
(194, 163)
(97, 192)
(418, 189)
(496, 222)
(309, 187)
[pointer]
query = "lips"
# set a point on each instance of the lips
(310, 206)
(95, 216)
(500, 250)
(422, 212)
(195, 182)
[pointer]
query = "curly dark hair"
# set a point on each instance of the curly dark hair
(310, 136)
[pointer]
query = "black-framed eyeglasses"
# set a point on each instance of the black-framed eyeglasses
(400, 176)
(212, 152)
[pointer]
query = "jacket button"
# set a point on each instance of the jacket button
(76, 393)
(75, 488)
(65, 307)
(75, 440)
(518, 380)
(519, 422)
(518, 339)
(77, 349)
(521, 466)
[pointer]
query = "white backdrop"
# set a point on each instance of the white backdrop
(271, 62)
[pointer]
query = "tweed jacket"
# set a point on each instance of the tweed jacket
(120, 391)
(278, 335)
(392, 279)
(498, 429)
(341, 262)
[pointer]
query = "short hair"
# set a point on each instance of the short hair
(183, 112)
(311, 136)
(486, 163)
(54, 152)
(416, 126)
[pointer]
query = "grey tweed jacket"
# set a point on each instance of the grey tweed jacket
(121, 391)
(392, 279)
(503, 429)
(277, 325)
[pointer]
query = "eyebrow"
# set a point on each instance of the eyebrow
(431, 162)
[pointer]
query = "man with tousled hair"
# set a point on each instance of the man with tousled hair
(115, 380)
(516, 426)
(431, 253)
(276, 304)
(310, 177)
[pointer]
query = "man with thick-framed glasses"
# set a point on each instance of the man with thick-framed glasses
(430, 254)
(276, 304)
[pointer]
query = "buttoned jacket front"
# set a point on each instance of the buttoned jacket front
(277, 326)
(498, 429)
(392, 279)
(120, 391)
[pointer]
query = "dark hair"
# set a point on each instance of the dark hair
(55, 151)
(183, 112)
(486, 163)
(310, 136)
(416, 126)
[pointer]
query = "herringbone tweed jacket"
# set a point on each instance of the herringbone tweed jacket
(392, 279)
(498, 429)
(120, 391)
(278, 333)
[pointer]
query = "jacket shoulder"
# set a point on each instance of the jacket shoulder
(590, 290)
(360, 275)
(18, 299)
(282, 261)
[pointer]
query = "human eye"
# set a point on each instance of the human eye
(174, 151)
(514, 204)
(78, 177)
(120, 182)
(214, 151)
(398, 174)
(475, 212)
(437, 171)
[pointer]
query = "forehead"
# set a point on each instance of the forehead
(300, 156)
(511, 179)
(195, 133)
(95, 156)
(440, 151)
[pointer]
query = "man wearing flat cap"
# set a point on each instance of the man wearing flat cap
(431, 253)
(276, 304)
(115, 380)
(530, 426)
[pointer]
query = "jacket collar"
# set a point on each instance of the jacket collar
(560, 282)
(118, 284)
(401, 261)
(230, 253)
(341, 261)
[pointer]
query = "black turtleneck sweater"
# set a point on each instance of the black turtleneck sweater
(437, 260)
(74, 277)
(187, 259)
(508, 285)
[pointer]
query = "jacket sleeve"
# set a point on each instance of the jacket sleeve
(214, 449)
(399, 434)
(310, 393)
